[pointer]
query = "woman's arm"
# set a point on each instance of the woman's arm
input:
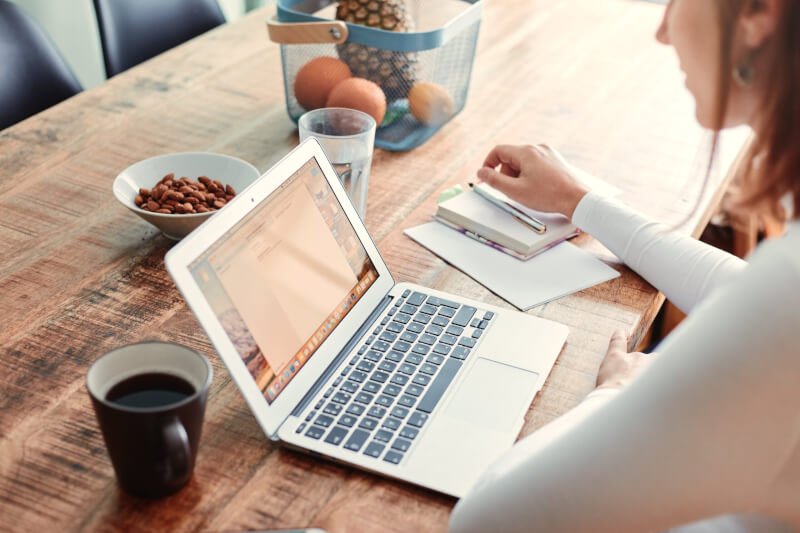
(684, 269)
(705, 430)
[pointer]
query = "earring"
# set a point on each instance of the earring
(743, 73)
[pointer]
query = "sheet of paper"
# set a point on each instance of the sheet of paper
(562, 270)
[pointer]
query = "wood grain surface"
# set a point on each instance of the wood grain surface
(79, 274)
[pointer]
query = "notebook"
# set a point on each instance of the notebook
(476, 215)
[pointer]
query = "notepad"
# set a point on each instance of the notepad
(477, 215)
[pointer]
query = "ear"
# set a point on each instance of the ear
(758, 21)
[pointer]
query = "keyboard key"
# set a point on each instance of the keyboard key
(371, 387)
(441, 349)
(315, 432)
(483, 324)
(319, 404)
(414, 390)
(310, 416)
(392, 311)
(354, 360)
(373, 356)
(477, 334)
(383, 436)
(460, 352)
(475, 322)
(324, 421)
(374, 449)
(395, 327)
(488, 315)
(365, 366)
(408, 309)
(429, 369)
(401, 346)
(399, 302)
(393, 457)
(440, 321)
(415, 327)
(469, 342)
(439, 385)
(355, 409)
(391, 424)
(448, 339)
(407, 369)
(464, 315)
(381, 346)
(332, 409)
(428, 309)
(406, 293)
(391, 390)
(376, 411)
(417, 419)
(401, 445)
(395, 357)
(384, 401)
(379, 376)
(422, 318)
(399, 379)
(356, 440)
(358, 376)
(385, 321)
(300, 428)
(421, 379)
(346, 370)
(447, 311)
(376, 330)
(336, 436)
(413, 359)
(433, 329)
(364, 398)
(409, 433)
(387, 366)
(341, 397)
(435, 359)
(455, 330)
(407, 401)
(399, 412)
(403, 318)
(421, 349)
(347, 421)
(368, 423)
(416, 299)
(337, 381)
(408, 336)
(427, 339)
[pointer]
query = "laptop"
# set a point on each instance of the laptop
(336, 358)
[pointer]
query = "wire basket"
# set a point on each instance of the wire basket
(440, 51)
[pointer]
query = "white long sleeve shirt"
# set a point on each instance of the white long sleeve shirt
(710, 429)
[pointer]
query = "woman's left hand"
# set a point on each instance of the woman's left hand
(620, 367)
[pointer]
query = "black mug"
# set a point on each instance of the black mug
(149, 399)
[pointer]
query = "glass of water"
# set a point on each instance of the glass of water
(347, 137)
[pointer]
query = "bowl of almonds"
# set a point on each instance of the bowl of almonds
(178, 192)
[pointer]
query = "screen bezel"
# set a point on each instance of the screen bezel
(182, 255)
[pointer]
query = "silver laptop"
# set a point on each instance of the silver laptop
(336, 358)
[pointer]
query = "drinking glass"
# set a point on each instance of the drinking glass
(347, 137)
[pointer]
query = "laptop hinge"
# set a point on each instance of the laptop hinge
(348, 348)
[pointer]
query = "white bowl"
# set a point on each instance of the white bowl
(145, 174)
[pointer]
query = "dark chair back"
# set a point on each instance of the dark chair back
(33, 75)
(133, 31)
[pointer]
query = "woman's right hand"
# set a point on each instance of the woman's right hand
(535, 176)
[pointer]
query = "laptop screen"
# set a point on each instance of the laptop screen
(284, 276)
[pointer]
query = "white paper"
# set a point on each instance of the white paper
(562, 270)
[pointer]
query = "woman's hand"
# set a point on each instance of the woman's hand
(619, 366)
(535, 176)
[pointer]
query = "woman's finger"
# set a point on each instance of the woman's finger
(504, 153)
(508, 185)
(618, 342)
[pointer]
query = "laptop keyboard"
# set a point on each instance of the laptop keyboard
(380, 401)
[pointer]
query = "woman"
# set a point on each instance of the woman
(709, 427)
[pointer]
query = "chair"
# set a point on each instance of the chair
(133, 31)
(34, 75)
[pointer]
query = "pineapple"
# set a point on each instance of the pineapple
(395, 72)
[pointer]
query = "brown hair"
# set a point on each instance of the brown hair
(772, 165)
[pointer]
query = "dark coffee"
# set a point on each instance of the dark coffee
(152, 389)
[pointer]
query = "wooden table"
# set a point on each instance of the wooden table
(79, 274)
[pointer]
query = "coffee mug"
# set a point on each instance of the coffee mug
(149, 399)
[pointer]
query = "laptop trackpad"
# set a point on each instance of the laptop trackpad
(493, 395)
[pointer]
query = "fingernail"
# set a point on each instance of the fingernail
(482, 173)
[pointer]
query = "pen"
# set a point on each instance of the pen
(535, 224)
